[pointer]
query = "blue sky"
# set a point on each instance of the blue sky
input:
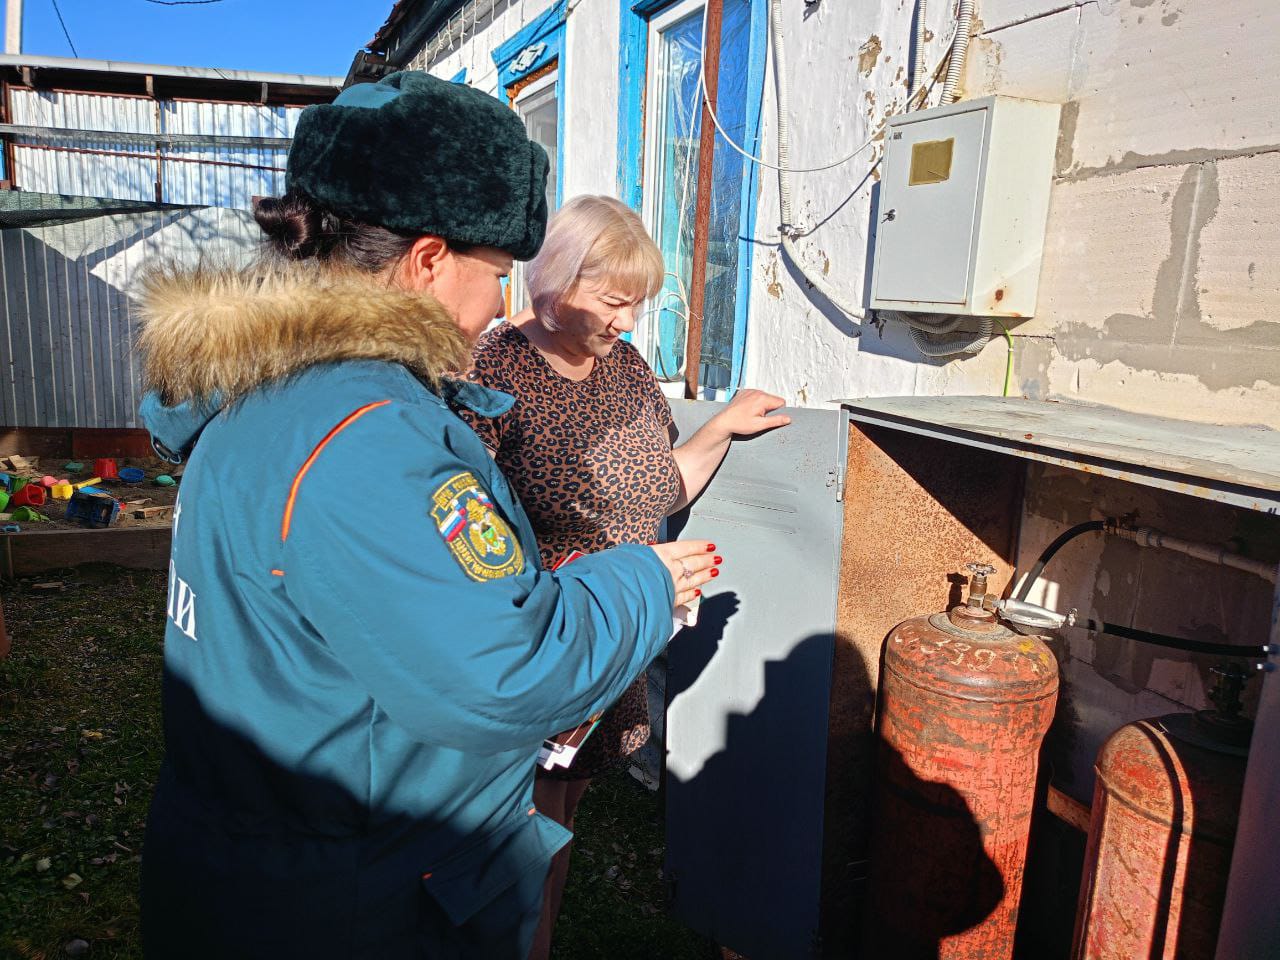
(286, 36)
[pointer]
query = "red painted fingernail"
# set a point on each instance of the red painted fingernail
(711, 548)
(717, 559)
(697, 592)
(715, 572)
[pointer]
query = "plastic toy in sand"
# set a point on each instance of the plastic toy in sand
(4, 499)
(164, 480)
(132, 475)
(75, 466)
(6, 482)
(31, 495)
(11, 528)
(106, 469)
(62, 491)
(93, 509)
(27, 515)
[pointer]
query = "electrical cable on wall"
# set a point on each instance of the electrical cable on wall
(936, 338)
(783, 168)
(760, 161)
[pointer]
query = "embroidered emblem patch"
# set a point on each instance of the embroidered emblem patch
(473, 530)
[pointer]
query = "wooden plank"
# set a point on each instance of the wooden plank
(1068, 809)
(37, 551)
(35, 441)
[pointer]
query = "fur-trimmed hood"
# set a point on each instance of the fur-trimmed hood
(213, 336)
(210, 337)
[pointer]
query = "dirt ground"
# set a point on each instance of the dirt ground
(129, 494)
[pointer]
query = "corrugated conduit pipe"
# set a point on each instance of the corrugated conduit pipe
(917, 70)
(959, 51)
(934, 334)
(784, 177)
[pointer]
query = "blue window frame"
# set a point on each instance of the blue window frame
(659, 177)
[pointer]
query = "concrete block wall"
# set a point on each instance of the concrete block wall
(1161, 280)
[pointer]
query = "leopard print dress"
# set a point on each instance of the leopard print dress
(591, 462)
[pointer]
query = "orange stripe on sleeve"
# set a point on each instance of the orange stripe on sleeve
(315, 454)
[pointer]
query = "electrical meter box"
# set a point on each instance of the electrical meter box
(964, 196)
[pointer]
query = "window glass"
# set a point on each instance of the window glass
(538, 109)
(540, 121)
(674, 125)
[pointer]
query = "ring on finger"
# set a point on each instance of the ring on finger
(685, 572)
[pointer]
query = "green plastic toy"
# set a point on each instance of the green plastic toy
(74, 466)
(164, 480)
(27, 515)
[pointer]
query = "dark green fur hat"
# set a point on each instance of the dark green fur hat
(419, 154)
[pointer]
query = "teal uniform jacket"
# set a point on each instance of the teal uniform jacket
(362, 657)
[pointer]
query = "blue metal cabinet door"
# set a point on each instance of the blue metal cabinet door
(747, 690)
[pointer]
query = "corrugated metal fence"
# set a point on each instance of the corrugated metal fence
(67, 324)
(130, 168)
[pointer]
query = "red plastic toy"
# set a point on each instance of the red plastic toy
(32, 495)
(105, 469)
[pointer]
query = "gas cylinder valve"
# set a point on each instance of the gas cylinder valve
(978, 573)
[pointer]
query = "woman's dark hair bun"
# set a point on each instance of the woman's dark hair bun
(294, 225)
(298, 228)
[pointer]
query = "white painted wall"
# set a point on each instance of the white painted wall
(1161, 284)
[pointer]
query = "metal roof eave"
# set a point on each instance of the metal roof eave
(112, 75)
(408, 24)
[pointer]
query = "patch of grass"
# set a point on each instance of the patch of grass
(615, 901)
(80, 746)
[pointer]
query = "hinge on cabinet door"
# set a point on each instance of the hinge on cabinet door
(837, 476)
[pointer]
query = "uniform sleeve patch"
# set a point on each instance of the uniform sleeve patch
(473, 530)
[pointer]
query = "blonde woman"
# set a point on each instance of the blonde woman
(588, 444)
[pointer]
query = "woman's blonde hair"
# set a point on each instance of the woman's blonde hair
(594, 239)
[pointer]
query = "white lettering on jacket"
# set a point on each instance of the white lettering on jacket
(182, 603)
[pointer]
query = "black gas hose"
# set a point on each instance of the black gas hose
(1132, 633)
(1177, 643)
(1059, 542)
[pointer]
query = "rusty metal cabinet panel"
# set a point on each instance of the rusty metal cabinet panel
(748, 690)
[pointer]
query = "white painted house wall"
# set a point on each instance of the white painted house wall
(1161, 279)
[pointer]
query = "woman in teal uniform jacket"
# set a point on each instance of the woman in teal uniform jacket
(363, 653)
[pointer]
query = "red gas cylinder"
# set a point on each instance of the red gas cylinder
(1161, 834)
(964, 704)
